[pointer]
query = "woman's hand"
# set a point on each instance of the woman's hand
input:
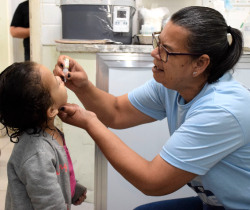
(77, 78)
(75, 115)
(81, 199)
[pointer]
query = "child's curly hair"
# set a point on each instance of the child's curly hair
(24, 99)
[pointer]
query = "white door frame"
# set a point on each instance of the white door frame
(35, 30)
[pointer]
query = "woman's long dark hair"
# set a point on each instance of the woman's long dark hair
(208, 35)
(24, 100)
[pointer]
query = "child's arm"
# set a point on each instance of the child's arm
(40, 178)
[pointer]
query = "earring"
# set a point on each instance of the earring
(194, 73)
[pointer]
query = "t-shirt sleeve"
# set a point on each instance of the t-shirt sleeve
(149, 99)
(17, 20)
(206, 137)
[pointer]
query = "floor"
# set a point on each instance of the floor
(6, 148)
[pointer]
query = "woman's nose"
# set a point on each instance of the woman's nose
(155, 54)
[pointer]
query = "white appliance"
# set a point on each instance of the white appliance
(121, 19)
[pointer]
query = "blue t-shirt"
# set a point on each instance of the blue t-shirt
(210, 137)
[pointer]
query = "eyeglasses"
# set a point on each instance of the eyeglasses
(164, 53)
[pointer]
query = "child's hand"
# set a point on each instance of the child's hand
(81, 199)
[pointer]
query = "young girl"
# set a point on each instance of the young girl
(40, 171)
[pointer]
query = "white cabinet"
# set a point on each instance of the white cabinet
(243, 76)
(242, 70)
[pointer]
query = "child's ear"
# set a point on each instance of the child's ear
(52, 112)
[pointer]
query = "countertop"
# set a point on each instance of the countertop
(111, 48)
(105, 48)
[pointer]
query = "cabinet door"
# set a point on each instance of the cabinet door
(147, 140)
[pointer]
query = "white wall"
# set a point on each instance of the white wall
(4, 43)
(51, 18)
(4, 36)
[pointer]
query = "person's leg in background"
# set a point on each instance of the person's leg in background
(26, 55)
(191, 203)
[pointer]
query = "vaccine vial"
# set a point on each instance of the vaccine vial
(65, 68)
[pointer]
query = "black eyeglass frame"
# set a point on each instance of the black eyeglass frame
(168, 53)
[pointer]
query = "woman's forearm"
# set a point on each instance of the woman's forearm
(20, 32)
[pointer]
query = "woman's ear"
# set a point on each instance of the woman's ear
(52, 112)
(200, 65)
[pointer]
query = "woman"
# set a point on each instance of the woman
(207, 112)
